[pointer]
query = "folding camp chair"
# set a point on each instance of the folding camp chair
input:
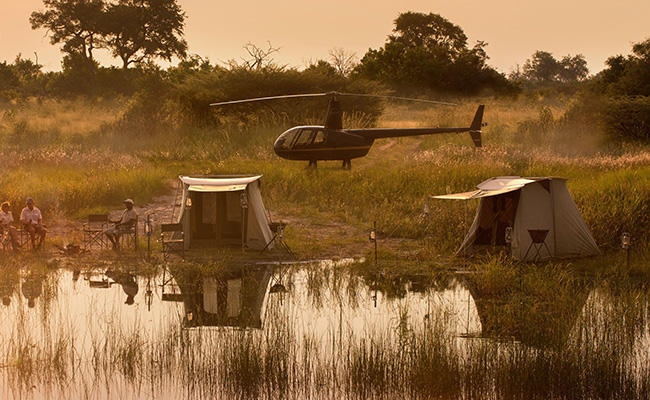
(278, 236)
(174, 243)
(93, 231)
(129, 237)
(538, 240)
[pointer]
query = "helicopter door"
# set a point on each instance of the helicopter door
(307, 138)
(303, 139)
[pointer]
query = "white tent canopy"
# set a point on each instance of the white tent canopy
(224, 210)
(541, 213)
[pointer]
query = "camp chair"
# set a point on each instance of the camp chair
(93, 231)
(25, 239)
(175, 242)
(278, 236)
(538, 241)
(129, 237)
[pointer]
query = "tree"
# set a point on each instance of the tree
(573, 68)
(259, 58)
(427, 50)
(343, 61)
(75, 23)
(541, 67)
(140, 30)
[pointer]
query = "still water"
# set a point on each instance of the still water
(315, 330)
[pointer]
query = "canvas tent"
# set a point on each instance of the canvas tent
(224, 210)
(529, 206)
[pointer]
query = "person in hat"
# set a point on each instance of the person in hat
(33, 223)
(6, 224)
(126, 221)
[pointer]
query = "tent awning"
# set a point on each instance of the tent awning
(206, 184)
(477, 194)
(492, 187)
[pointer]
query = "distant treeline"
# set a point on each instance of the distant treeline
(426, 55)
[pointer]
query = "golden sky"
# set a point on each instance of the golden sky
(306, 30)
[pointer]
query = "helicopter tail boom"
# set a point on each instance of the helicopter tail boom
(474, 130)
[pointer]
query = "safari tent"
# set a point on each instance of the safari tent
(224, 211)
(543, 219)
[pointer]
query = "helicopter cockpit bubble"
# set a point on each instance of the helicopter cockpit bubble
(284, 141)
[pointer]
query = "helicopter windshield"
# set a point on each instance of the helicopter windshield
(300, 138)
(286, 139)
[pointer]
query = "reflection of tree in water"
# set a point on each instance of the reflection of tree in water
(127, 281)
(9, 278)
(395, 284)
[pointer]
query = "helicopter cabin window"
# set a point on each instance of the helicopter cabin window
(304, 139)
(319, 137)
(288, 139)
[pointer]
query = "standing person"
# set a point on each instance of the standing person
(122, 225)
(6, 220)
(33, 223)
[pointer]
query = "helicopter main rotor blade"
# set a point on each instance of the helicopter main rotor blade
(397, 98)
(286, 96)
(333, 95)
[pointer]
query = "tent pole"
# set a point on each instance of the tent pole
(465, 229)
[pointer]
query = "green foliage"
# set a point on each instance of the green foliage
(428, 50)
(628, 76)
(141, 30)
(198, 90)
(628, 117)
(542, 66)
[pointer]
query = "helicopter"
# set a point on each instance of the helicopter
(332, 142)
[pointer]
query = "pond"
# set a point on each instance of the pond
(316, 330)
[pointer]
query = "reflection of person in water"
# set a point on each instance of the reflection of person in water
(128, 282)
(8, 282)
(32, 288)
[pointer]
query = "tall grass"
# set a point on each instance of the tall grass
(96, 162)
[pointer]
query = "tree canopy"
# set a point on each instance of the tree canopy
(132, 30)
(428, 50)
(138, 30)
(542, 66)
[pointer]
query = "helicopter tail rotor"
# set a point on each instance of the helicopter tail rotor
(477, 124)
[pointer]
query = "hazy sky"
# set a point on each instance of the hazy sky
(306, 30)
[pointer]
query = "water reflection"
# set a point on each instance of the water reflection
(230, 296)
(32, 286)
(320, 330)
(127, 281)
(9, 279)
(537, 316)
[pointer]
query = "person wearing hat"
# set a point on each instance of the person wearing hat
(33, 223)
(122, 225)
(6, 221)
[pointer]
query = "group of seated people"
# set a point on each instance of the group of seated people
(32, 222)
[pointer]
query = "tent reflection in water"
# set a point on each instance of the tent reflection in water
(224, 211)
(544, 220)
(233, 296)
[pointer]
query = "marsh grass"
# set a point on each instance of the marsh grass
(602, 354)
(93, 160)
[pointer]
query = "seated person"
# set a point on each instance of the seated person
(122, 225)
(33, 223)
(6, 221)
